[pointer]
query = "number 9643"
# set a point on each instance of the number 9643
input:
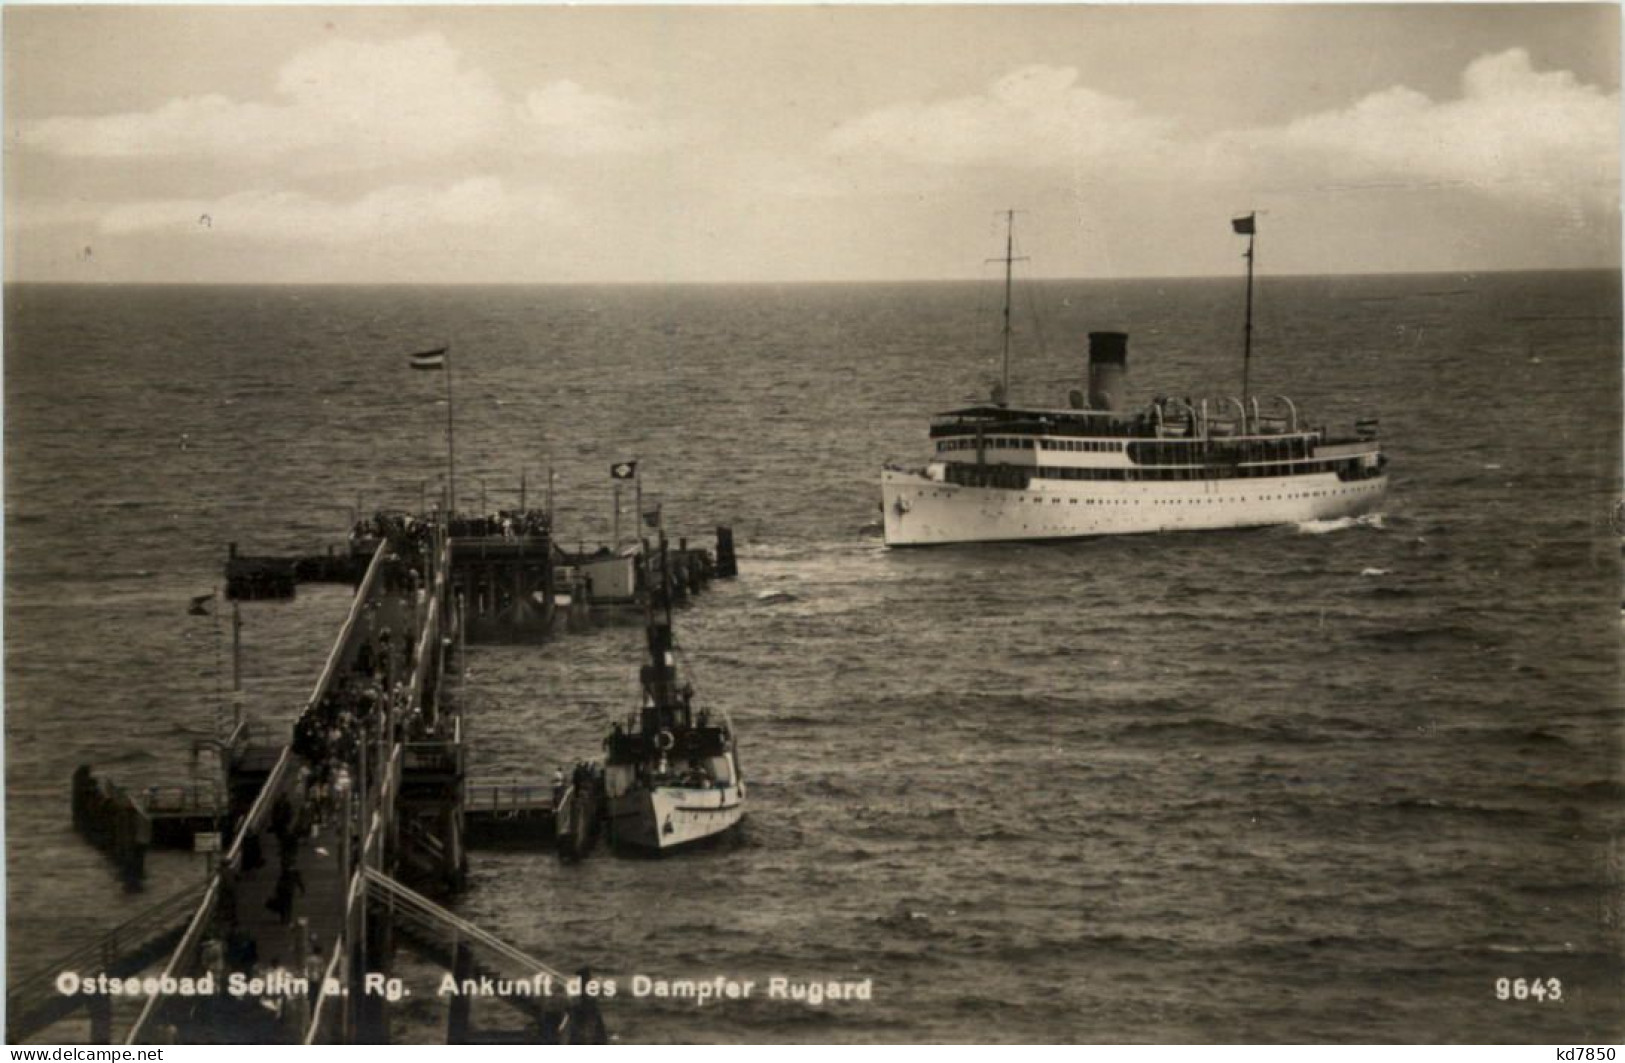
(1541, 989)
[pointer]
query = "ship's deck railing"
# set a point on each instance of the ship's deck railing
(1214, 428)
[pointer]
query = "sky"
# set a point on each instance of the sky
(673, 144)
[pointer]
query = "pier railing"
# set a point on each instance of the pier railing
(507, 796)
(376, 813)
(325, 1017)
(196, 799)
(260, 809)
(415, 735)
(416, 908)
(33, 1000)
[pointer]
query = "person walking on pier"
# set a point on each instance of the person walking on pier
(583, 1022)
(242, 951)
(288, 851)
(386, 657)
(253, 854)
(282, 821)
(226, 907)
(281, 901)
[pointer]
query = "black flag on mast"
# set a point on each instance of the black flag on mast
(1244, 226)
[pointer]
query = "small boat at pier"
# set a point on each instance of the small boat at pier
(671, 772)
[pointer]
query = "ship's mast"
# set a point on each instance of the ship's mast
(1009, 261)
(1247, 227)
(1009, 249)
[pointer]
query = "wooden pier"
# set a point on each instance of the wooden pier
(336, 839)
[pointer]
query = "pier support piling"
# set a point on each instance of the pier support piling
(457, 1023)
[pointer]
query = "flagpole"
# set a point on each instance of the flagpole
(637, 493)
(451, 449)
(617, 519)
(1247, 329)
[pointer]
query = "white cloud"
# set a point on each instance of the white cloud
(280, 217)
(194, 125)
(1037, 116)
(1513, 132)
(399, 99)
(352, 104)
(567, 119)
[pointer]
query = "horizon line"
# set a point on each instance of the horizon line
(82, 283)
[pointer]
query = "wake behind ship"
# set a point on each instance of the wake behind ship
(1002, 473)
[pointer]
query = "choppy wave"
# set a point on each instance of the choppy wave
(1326, 527)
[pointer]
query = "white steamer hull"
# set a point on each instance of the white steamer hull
(671, 816)
(924, 512)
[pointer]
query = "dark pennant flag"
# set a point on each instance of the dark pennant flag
(1244, 226)
(623, 470)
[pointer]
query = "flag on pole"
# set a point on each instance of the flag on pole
(200, 604)
(435, 359)
(651, 517)
(623, 470)
(1244, 226)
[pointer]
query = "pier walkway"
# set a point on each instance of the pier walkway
(304, 903)
(337, 839)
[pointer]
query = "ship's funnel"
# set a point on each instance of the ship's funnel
(1108, 369)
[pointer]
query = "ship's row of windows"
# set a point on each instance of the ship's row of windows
(1165, 453)
(1193, 472)
(1012, 443)
(1090, 445)
(1098, 427)
(1017, 477)
(991, 442)
(1172, 501)
(1159, 453)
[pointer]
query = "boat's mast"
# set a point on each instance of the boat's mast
(1248, 227)
(1009, 259)
(451, 449)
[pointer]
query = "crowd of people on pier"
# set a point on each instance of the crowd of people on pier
(368, 704)
(407, 535)
(353, 710)
(408, 532)
(504, 524)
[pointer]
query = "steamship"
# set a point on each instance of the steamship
(1096, 467)
(671, 775)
